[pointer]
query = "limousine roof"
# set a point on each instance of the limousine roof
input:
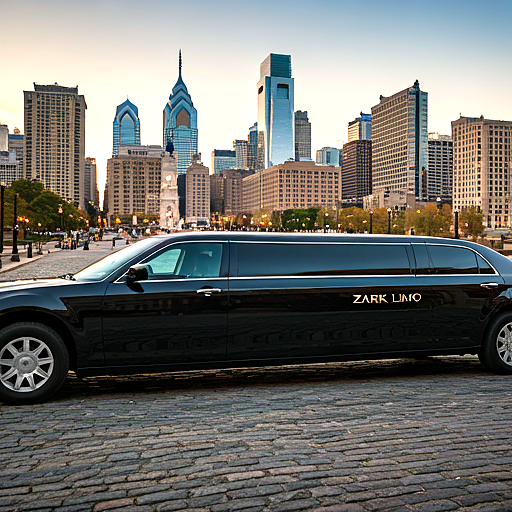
(256, 236)
(500, 262)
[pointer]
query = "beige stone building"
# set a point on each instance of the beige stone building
(198, 192)
(226, 192)
(292, 185)
(133, 183)
(54, 144)
(481, 168)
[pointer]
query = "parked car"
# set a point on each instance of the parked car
(222, 299)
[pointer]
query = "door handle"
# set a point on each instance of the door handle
(208, 291)
(490, 286)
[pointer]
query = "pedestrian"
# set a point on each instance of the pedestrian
(113, 242)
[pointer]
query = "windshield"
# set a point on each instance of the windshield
(104, 267)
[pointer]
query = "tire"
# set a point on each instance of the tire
(34, 362)
(496, 350)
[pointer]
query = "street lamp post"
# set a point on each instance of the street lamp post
(371, 222)
(389, 221)
(15, 255)
(456, 224)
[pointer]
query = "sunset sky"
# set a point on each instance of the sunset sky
(344, 55)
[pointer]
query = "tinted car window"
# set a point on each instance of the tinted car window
(452, 260)
(259, 259)
(483, 266)
(185, 260)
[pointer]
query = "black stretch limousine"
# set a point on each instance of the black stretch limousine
(223, 299)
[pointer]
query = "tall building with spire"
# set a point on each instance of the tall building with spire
(126, 126)
(180, 124)
(275, 110)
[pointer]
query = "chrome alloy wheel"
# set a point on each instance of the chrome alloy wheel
(504, 344)
(26, 364)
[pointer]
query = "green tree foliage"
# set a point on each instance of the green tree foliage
(38, 209)
(471, 222)
(300, 219)
(27, 189)
(430, 221)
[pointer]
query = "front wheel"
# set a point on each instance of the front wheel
(496, 350)
(34, 363)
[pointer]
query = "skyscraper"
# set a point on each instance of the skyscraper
(440, 167)
(329, 156)
(356, 172)
(126, 126)
(240, 147)
(54, 145)
(302, 136)
(180, 124)
(223, 159)
(482, 156)
(90, 180)
(198, 192)
(360, 128)
(399, 148)
(275, 110)
(252, 148)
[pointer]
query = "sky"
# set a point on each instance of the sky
(345, 54)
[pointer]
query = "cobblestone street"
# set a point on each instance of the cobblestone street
(403, 435)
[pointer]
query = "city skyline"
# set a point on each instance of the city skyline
(340, 66)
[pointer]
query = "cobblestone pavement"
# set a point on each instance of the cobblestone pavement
(403, 435)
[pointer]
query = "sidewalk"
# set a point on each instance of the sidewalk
(8, 265)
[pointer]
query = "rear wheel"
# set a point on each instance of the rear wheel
(496, 351)
(34, 362)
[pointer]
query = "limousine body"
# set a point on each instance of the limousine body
(226, 299)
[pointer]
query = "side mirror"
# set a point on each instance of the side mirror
(137, 273)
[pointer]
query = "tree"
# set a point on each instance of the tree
(430, 221)
(471, 222)
(27, 189)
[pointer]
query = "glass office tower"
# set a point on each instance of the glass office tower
(126, 126)
(399, 149)
(275, 110)
(180, 124)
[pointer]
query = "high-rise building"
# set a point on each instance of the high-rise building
(4, 138)
(15, 144)
(399, 143)
(292, 185)
(275, 110)
(54, 145)
(180, 124)
(223, 159)
(302, 136)
(356, 172)
(126, 126)
(329, 156)
(252, 148)
(440, 168)
(360, 128)
(198, 192)
(90, 184)
(226, 192)
(11, 155)
(240, 147)
(133, 183)
(481, 168)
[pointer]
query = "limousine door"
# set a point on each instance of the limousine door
(291, 301)
(177, 316)
(463, 287)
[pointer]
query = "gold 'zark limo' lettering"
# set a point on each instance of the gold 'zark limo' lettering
(386, 298)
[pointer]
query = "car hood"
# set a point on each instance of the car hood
(24, 284)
